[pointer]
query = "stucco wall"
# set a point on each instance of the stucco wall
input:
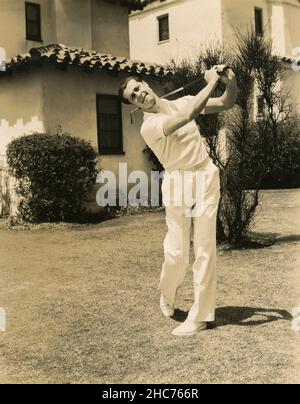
(21, 112)
(281, 21)
(292, 81)
(71, 22)
(110, 28)
(285, 17)
(238, 15)
(21, 108)
(292, 23)
(196, 21)
(13, 29)
(192, 23)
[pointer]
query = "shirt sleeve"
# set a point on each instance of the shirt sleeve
(184, 100)
(153, 129)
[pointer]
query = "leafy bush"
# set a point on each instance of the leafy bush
(54, 173)
(5, 198)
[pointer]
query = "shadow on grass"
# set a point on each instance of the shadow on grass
(242, 316)
(84, 222)
(251, 242)
(288, 238)
(249, 316)
(180, 315)
(259, 240)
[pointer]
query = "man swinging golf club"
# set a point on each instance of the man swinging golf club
(170, 130)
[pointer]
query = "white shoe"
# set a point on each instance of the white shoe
(166, 308)
(188, 328)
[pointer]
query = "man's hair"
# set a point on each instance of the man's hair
(123, 88)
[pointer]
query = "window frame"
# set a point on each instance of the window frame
(159, 18)
(109, 150)
(258, 9)
(260, 102)
(38, 37)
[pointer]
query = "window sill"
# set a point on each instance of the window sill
(111, 153)
(34, 40)
(163, 42)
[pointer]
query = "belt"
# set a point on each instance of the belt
(195, 168)
(200, 165)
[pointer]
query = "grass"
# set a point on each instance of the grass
(82, 305)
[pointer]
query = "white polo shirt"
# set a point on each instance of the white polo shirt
(184, 149)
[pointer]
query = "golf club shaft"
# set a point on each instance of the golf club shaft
(191, 84)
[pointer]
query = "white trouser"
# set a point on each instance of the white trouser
(202, 211)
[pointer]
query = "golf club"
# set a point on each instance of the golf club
(180, 89)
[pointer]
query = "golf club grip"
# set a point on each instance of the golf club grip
(224, 70)
(197, 81)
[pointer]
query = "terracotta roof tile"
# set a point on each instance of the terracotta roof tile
(62, 56)
(88, 60)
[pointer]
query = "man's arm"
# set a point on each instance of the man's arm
(193, 107)
(227, 100)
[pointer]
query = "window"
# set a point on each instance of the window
(260, 106)
(33, 22)
(258, 14)
(163, 28)
(109, 120)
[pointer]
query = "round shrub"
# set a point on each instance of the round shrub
(54, 173)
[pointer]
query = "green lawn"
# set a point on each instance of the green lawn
(83, 305)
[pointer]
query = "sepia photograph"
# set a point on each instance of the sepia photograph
(149, 194)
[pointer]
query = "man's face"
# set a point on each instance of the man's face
(140, 94)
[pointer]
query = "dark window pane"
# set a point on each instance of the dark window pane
(33, 21)
(108, 105)
(258, 21)
(33, 29)
(260, 105)
(109, 124)
(163, 23)
(33, 12)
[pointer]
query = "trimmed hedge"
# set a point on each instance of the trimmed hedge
(55, 174)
